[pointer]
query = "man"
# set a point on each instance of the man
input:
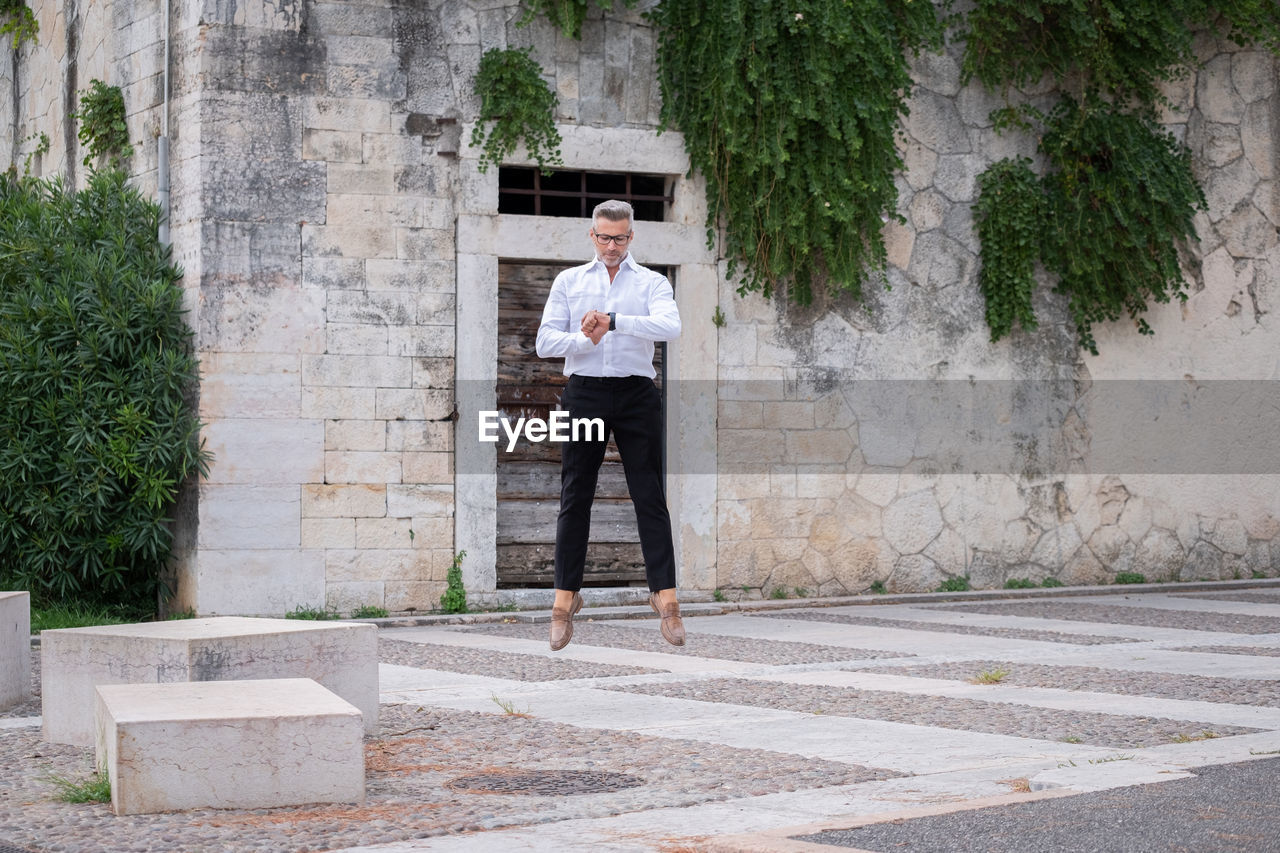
(603, 318)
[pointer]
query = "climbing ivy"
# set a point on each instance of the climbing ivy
(1124, 50)
(1120, 198)
(1107, 219)
(18, 22)
(1116, 205)
(566, 15)
(103, 130)
(520, 105)
(1009, 213)
(790, 111)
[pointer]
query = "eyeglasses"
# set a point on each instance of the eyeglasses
(615, 239)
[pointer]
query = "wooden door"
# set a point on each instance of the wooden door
(529, 477)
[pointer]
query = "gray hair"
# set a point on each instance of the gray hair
(614, 211)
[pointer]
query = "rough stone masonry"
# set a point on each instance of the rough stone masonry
(340, 247)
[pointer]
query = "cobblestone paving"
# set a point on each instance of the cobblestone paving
(496, 664)
(1151, 617)
(647, 639)
(28, 707)
(1098, 680)
(1258, 651)
(1261, 596)
(1107, 730)
(409, 765)
(973, 630)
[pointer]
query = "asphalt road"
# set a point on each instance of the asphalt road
(1226, 807)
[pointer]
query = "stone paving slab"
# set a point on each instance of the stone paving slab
(1255, 596)
(1116, 613)
(1107, 730)
(409, 763)
(1246, 716)
(702, 645)
(1255, 651)
(1099, 680)
(713, 769)
(946, 628)
(499, 664)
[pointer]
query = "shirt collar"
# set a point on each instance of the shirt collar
(627, 261)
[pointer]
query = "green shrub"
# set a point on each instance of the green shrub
(96, 435)
(1051, 583)
(454, 599)
(878, 588)
(1130, 577)
(369, 611)
(1020, 583)
(960, 584)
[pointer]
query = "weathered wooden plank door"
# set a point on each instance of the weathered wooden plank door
(529, 477)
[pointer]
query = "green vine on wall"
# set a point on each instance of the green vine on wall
(103, 130)
(566, 15)
(1107, 219)
(1099, 47)
(790, 111)
(1116, 205)
(519, 104)
(18, 22)
(1009, 214)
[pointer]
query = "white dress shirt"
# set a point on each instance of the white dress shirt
(645, 312)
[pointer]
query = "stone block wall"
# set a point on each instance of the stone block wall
(326, 306)
(119, 43)
(340, 246)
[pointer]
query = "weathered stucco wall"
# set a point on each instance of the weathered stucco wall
(340, 247)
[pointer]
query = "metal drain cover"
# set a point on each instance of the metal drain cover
(5, 847)
(543, 782)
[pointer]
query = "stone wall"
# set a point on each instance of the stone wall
(327, 296)
(340, 247)
(850, 500)
(79, 41)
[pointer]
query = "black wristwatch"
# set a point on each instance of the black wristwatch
(613, 321)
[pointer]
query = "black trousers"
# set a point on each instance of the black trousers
(631, 408)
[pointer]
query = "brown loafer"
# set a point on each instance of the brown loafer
(562, 623)
(671, 626)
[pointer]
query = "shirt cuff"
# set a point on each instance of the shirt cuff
(622, 323)
(583, 344)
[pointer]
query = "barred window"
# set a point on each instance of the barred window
(573, 193)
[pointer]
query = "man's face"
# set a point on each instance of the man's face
(611, 250)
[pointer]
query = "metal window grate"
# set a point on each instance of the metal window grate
(573, 193)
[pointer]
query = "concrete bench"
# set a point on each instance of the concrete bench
(15, 648)
(228, 745)
(342, 656)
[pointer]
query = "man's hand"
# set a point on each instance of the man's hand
(595, 324)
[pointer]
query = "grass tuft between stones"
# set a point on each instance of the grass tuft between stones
(95, 789)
